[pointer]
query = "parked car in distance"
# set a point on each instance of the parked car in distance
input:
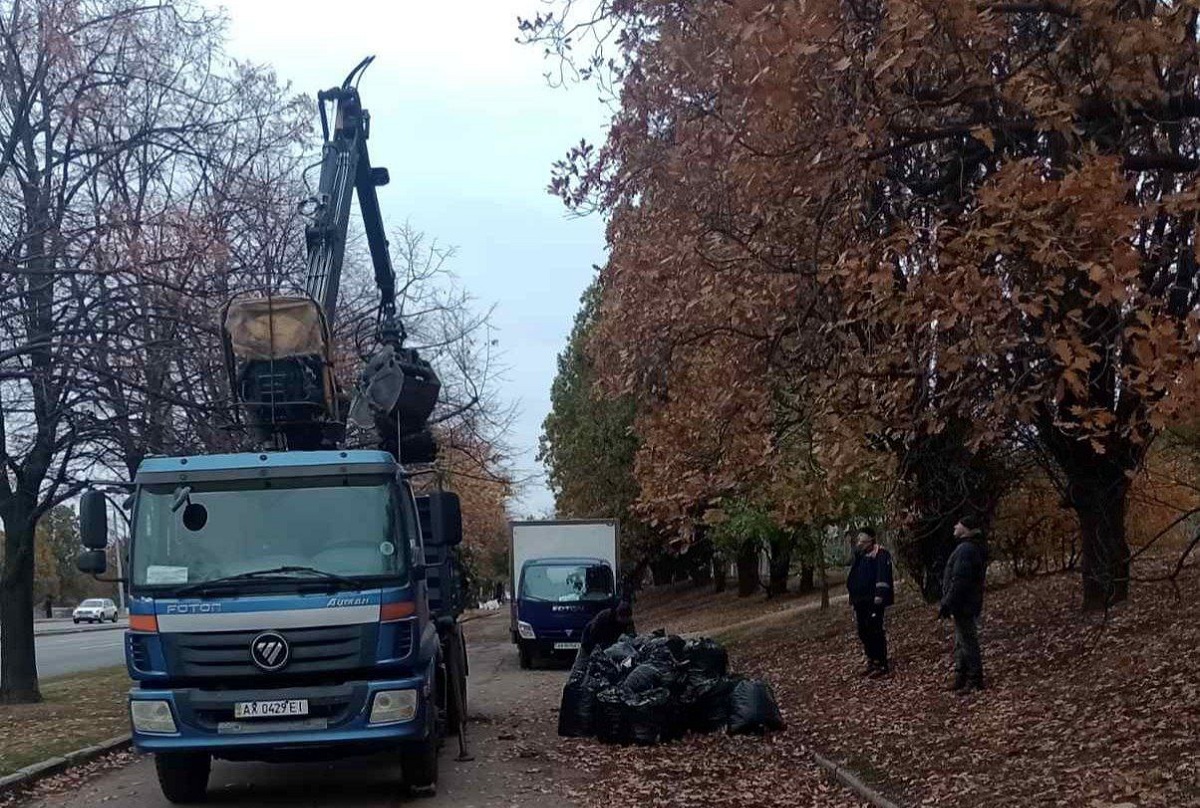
(95, 610)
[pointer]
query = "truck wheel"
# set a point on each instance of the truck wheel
(526, 656)
(183, 776)
(419, 765)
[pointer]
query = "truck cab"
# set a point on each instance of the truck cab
(294, 605)
(556, 599)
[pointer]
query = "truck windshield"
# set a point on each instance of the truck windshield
(567, 582)
(204, 531)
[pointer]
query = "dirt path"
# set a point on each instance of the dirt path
(513, 720)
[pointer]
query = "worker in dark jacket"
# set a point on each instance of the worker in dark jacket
(607, 627)
(870, 587)
(962, 599)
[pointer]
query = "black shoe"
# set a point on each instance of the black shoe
(880, 672)
(960, 684)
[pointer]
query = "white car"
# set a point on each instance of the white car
(95, 610)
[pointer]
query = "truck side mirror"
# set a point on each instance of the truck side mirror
(92, 562)
(93, 520)
(446, 518)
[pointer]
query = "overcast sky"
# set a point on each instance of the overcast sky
(464, 120)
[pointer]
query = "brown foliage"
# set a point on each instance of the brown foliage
(911, 213)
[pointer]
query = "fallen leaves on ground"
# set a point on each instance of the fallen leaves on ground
(703, 771)
(1092, 711)
(70, 780)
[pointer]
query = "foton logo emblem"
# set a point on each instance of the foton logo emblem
(269, 651)
(193, 608)
(335, 602)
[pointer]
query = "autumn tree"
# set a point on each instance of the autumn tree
(588, 444)
(68, 68)
(986, 211)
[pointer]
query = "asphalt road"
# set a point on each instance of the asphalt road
(513, 718)
(60, 654)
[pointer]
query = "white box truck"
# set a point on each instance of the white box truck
(563, 572)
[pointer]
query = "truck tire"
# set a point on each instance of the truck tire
(525, 653)
(183, 776)
(419, 765)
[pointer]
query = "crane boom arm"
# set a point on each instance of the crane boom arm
(345, 169)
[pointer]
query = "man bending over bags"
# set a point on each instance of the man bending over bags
(606, 628)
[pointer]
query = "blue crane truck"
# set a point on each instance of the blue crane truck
(283, 606)
(299, 601)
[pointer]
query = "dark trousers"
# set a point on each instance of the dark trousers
(968, 658)
(870, 630)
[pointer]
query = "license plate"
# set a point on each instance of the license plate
(566, 646)
(270, 709)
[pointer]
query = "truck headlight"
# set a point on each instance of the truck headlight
(525, 630)
(393, 706)
(152, 716)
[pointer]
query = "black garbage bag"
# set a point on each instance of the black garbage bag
(710, 703)
(753, 709)
(601, 667)
(662, 652)
(707, 656)
(642, 678)
(608, 719)
(621, 653)
(579, 668)
(646, 715)
(677, 718)
(577, 710)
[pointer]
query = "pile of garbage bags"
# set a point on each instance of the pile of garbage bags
(655, 688)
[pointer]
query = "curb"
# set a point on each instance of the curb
(850, 780)
(23, 778)
(50, 632)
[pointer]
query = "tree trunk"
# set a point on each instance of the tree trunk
(807, 572)
(824, 579)
(747, 569)
(662, 571)
(1097, 490)
(943, 480)
(18, 664)
(1099, 499)
(781, 565)
(720, 573)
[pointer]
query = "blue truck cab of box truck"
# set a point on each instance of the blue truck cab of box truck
(564, 574)
(293, 605)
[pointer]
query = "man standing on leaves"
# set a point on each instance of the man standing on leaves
(870, 587)
(962, 599)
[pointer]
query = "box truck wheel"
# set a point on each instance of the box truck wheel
(419, 765)
(183, 776)
(525, 652)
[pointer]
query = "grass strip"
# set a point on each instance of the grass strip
(77, 710)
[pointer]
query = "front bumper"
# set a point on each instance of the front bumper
(338, 719)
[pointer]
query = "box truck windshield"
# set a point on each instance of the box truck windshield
(207, 531)
(567, 582)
